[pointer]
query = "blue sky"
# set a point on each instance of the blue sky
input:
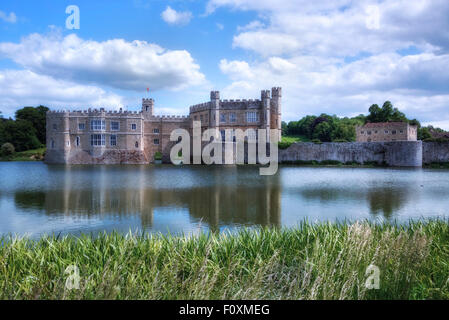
(337, 57)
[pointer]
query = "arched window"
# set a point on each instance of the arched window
(78, 141)
(52, 143)
(137, 144)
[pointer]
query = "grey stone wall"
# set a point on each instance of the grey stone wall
(398, 153)
(435, 152)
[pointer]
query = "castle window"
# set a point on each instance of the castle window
(201, 118)
(222, 117)
(77, 141)
(232, 117)
(97, 124)
(155, 130)
(393, 132)
(369, 132)
(81, 126)
(362, 132)
(53, 145)
(115, 125)
(156, 141)
(386, 131)
(113, 140)
(133, 126)
(375, 131)
(401, 131)
(252, 116)
(146, 108)
(97, 140)
(55, 126)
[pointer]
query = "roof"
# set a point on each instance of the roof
(384, 124)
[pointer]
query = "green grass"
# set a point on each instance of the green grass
(29, 155)
(325, 261)
(286, 141)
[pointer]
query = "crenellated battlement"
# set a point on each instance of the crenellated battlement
(76, 136)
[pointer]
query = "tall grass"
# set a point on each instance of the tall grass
(324, 261)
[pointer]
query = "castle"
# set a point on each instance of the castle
(112, 137)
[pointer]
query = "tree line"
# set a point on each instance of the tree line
(330, 128)
(27, 131)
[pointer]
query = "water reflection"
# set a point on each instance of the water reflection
(37, 199)
(216, 204)
(384, 201)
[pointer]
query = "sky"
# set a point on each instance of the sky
(336, 57)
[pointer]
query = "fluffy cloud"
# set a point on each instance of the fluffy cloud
(11, 17)
(26, 88)
(115, 63)
(172, 16)
(316, 85)
(341, 56)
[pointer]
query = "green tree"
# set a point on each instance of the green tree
(387, 113)
(323, 132)
(7, 149)
(20, 133)
(37, 117)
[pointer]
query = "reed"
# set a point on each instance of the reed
(311, 261)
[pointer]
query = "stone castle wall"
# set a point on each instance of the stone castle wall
(397, 153)
(435, 152)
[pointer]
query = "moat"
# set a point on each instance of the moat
(37, 199)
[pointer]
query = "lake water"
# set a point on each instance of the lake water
(38, 199)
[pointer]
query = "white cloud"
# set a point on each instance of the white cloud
(116, 63)
(11, 17)
(312, 85)
(343, 27)
(341, 56)
(26, 88)
(172, 16)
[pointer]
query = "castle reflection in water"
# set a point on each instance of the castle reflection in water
(36, 198)
(216, 204)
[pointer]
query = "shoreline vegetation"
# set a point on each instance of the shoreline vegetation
(38, 155)
(311, 261)
(28, 155)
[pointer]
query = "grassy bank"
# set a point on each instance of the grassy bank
(29, 155)
(325, 261)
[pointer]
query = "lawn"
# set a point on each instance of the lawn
(29, 155)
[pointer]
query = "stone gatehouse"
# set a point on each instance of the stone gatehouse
(112, 137)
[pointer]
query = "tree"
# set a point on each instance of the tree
(323, 132)
(387, 113)
(21, 133)
(37, 117)
(7, 149)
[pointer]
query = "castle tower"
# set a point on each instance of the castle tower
(265, 97)
(215, 109)
(276, 122)
(147, 107)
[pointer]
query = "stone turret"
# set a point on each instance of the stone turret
(276, 96)
(147, 107)
(266, 104)
(215, 109)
